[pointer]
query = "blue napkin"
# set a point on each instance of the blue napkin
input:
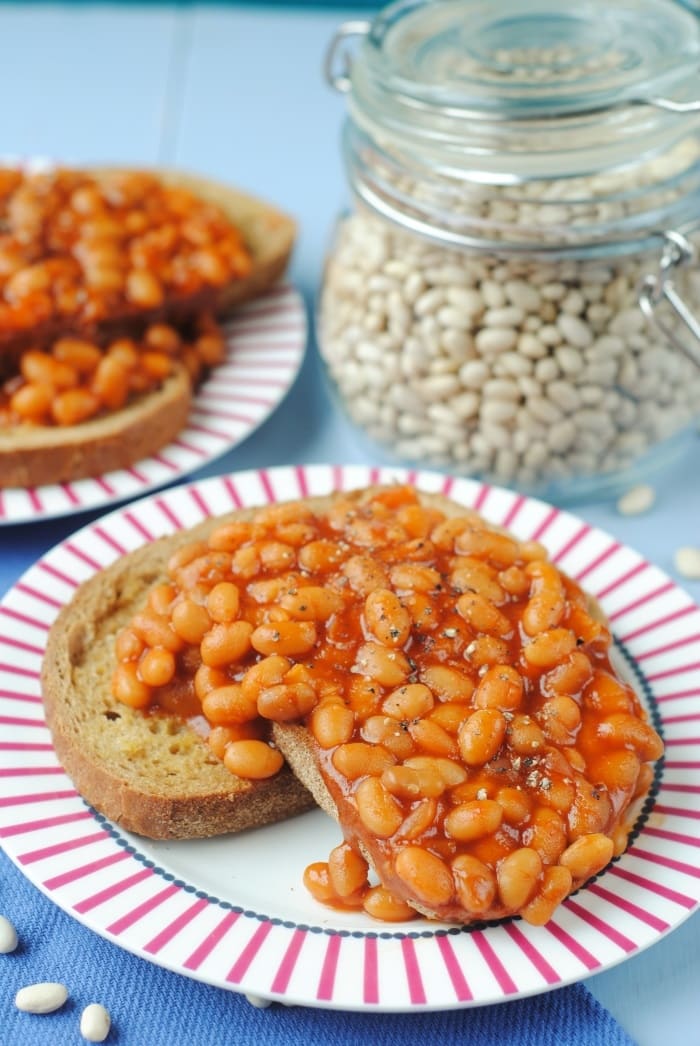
(151, 1006)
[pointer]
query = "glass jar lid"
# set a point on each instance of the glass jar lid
(522, 89)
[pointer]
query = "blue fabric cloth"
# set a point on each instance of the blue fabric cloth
(151, 1006)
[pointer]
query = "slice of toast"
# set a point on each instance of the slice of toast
(35, 455)
(154, 774)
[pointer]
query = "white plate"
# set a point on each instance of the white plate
(265, 343)
(233, 911)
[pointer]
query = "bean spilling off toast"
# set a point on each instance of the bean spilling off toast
(439, 687)
(111, 282)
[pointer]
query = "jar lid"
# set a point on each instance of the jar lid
(472, 83)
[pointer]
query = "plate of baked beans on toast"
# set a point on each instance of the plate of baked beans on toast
(145, 330)
(354, 737)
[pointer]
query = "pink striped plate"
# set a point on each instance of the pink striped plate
(230, 912)
(265, 348)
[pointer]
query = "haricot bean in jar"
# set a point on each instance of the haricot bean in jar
(456, 687)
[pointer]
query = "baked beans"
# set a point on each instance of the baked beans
(465, 715)
(74, 380)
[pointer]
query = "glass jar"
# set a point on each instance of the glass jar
(511, 294)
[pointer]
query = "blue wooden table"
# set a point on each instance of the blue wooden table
(236, 92)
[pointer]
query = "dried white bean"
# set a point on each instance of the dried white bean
(44, 997)
(687, 561)
(258, 1002)
(575, 331)
(95, 1022)
(636, 500)
(8, 936)
(495, 339)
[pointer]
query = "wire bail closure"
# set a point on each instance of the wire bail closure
(678, 253)
(336, 65)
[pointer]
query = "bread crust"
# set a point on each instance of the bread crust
(153, 775)
(33, 456)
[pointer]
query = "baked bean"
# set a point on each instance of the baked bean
(74, 406)
(421, 610)
(545, 608)
(449, 716)
(317, 881)
(128, 688)
(252, 759)
(311, 603)
(275, 555)
(356, 759)
(515, 803)
(157, 667)
(378, 810)
(110, 382)
(32, 402)
(514, 580)
(226, 643)
(220, 737)
(162, 338)
(645, 779)
(286, 701)
(364, 696)
(288, 638)
(557, 792)
(447, 684)
(245, 563)
(223, 602)
(318, 557)
(518, 875)
(445, 533)
(486, 650)
(185, 555)
(587, 855)
(347, 870)
(364, 575)
(585, 626)
(386, 618)
(230, 536)
(420, 818)
(432, 739)
(607, 695)
(332, 724)
(142, 288)
(228, 705)
(475, 883)
(627, 730)
(128, 645)
(452, 772)
(388, 732)
(473, 575)
(408, 702)
(549, 648)
(481, 736)
(555, 887)
(500, 687)
(155, 630)
(426, 874)
(411, 783)
(190, 620)
(524, 735)
(470, 821)
(499, 549)
(546, 833)
(417, 520)
(482, 615)
(207, 679)
(591, 810)
(379, 903)
(569, 677)
(560, 718)
(414, 578)
(617, 770)
(386, 667)
(296, 534)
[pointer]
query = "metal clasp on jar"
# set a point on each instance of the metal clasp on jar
(336, 65)
(678, 253)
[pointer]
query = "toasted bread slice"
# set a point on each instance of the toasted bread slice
(268, 235)
(151, 774)
(31, 456)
